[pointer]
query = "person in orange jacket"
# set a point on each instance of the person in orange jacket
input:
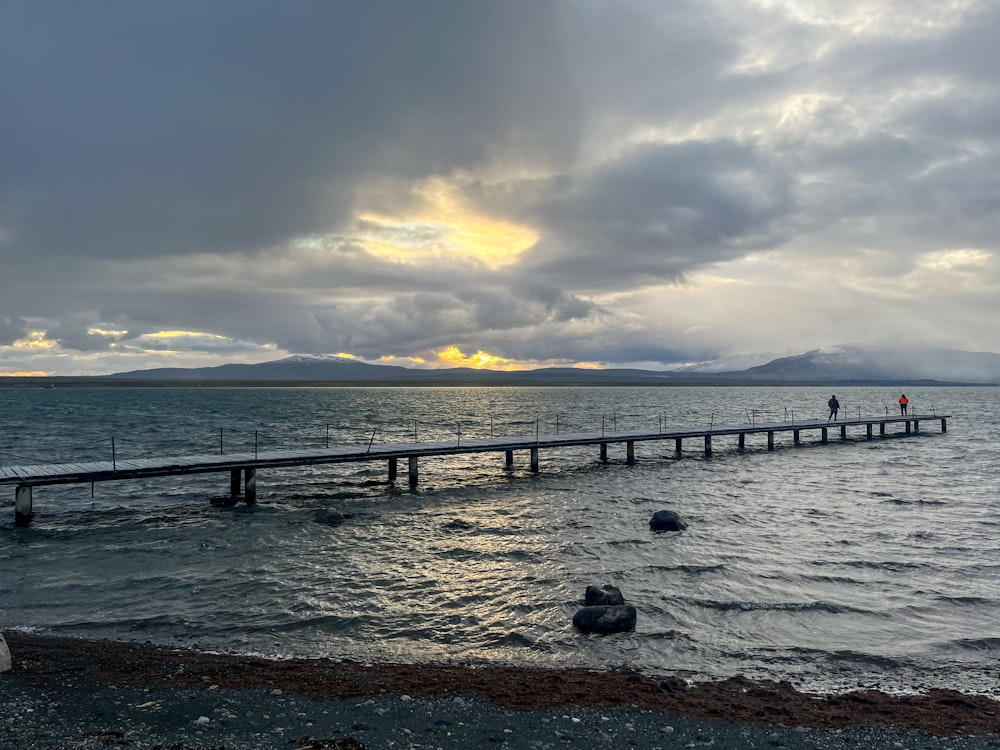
(903, 401)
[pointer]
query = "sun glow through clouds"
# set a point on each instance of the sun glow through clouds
(454, 357)
(445, 224)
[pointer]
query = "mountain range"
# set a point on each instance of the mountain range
(839, 365)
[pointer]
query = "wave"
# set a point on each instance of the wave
(690, 569)
(751, 606)
(975, 644)
(974, 601)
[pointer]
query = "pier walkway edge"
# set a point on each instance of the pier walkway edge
(244, 465)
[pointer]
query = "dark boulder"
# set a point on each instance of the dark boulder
(603, 595)
(605, 619)
(666, 520)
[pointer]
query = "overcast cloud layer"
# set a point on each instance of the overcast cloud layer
(188, 183)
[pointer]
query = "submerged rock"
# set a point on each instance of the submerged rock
(603, 595)
(330, 517)
(605, 619)
(666, 520)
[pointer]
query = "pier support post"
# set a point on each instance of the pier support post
(250, 490)
(916, 425)
(743, 441)
(677, 446)
(944, 424)
(822, 434)
(907, 426)
(770, 440)
(234, 483)
(843, 432)
(393, 468)
(868, 431)
(604, 453)
(508, 457)
(630, 452)
(22, 505)
(795, 436)
(534, 460)
(708, 445)
(413, 471)
(881, 428)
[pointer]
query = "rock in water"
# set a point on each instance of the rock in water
(606, 594)
(605, 619)
(330, 517)
(5, 661)
(666, 520)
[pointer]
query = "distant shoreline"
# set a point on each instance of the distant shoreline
(484, 382)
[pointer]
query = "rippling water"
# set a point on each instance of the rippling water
(854, 563)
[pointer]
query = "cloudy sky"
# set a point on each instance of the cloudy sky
(515, 183)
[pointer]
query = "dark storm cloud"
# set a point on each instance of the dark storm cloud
(11, 329)
(144, 129)
(78, 336)
(660, 211)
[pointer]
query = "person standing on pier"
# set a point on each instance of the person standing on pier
(903, 401)
(834, 405)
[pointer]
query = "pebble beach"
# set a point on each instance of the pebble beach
(88, 694)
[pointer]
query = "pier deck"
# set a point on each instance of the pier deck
(27, 476)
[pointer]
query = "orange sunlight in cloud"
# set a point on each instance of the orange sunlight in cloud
(454, 357)
(447, 224)
(394, 358)
(25, 374)
(34, 340)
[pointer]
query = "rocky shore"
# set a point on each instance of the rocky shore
(74, 693)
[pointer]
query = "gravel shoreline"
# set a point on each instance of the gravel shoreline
(88, 695)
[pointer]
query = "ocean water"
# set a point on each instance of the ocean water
(851, 564)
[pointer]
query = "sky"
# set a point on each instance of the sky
(494, 183)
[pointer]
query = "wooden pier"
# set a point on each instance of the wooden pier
(242, 467)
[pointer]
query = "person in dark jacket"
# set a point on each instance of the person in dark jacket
(834, 405)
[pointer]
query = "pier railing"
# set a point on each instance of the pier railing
(243, 464)
(243, 439)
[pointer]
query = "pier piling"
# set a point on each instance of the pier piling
(250, 493)
(22, 505)
(413, 471)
